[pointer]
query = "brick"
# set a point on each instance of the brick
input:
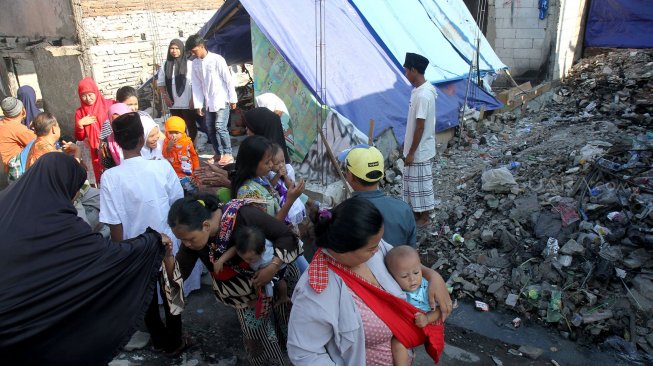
(531, 33)
(527, 53)
(538, 43)
(525, 3)
(529, 23)
(518, 43)
(505, 33)
(505, 52)
(525, 12)
(503, 13)
(536, 63)
(522, 63)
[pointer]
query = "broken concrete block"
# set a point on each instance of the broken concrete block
(572, 247)
(531, 352)
(511, 299)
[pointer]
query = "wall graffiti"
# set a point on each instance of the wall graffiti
(340, 134)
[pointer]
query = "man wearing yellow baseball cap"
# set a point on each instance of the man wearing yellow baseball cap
(364, 169)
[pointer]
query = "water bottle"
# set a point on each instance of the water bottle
(513, 165)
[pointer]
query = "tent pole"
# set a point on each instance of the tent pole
(223, 21)
(334, 161)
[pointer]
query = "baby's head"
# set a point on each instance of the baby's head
(404, 265)
(278, 159)
(250, 243)
(175, 128)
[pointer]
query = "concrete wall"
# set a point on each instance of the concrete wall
(521, 39)
(540, 48)
(569, 39)
(37, 18)
(59, 69)
(126, 39)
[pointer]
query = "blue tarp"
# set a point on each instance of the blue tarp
(363, 80)
(620, 24)
(450, 29)
(232, 40)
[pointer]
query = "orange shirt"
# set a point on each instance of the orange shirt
(14, 136)
(41, 147)
(182, 150)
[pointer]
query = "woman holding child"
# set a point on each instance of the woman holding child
(207, 230)
(350, 303)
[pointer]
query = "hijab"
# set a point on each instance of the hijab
(180, 69)
(27, 95)
(64, 287)
(99, 109)
(119, 109)
(264, 122)
(148, 126)
(177, 124)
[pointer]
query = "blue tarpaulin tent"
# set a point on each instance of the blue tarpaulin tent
(620, 24)
(364, 78)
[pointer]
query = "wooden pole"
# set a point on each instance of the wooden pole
(370, 134)
(334, 161)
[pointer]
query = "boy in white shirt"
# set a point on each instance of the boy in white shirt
(135, 195)
(213, 90)
(419, 141)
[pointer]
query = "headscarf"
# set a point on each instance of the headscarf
(177, 124)
(64, 287)
(27, 95)
(114, 148)
(119, 109)
(264, 122)
(179, 64)
(148, 126)
(99, 109)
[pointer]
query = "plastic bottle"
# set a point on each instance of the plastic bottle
(457, 238)
(513, 165)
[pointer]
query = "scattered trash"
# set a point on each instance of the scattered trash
(481, 306)
(457, 238)
(551, 249)
(514, 352)
(497, 180)
(516, 322)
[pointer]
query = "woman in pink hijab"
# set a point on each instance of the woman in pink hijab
(116, 110)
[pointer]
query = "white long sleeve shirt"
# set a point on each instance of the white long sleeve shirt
(213, 85)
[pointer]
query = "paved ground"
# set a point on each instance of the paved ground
(218, 342)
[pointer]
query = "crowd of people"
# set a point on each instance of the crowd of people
(93, 246)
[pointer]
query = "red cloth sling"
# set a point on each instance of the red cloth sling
(396, 313)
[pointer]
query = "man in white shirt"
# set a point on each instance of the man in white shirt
(419, 141)
(213, 91)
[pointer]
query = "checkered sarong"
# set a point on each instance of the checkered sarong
(418, 186)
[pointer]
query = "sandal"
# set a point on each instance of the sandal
(186, 342)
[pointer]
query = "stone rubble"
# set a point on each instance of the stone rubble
(555, 205)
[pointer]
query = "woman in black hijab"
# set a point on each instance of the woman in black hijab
(174, 83)
(262, 121)
(69, 296)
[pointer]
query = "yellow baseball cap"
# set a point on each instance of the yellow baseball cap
(364, 161)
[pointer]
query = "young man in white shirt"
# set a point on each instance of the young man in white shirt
(419, 141)
(213, 91)
(135, 195)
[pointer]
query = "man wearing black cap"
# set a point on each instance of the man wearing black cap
(419, 141)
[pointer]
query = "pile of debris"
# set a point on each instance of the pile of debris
(550, 214)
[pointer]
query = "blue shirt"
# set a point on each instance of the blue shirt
(420, 297)
(398, 219)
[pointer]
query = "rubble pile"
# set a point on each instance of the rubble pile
(550, 214)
